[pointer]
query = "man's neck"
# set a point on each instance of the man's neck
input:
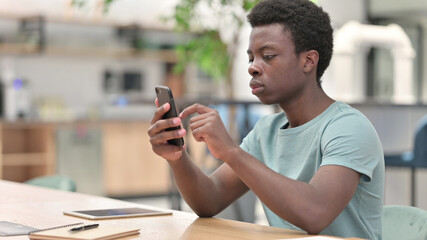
(305, 109)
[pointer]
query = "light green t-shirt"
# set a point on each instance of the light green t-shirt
(341, 135)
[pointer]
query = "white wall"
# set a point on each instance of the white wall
(77, 82)
(144, 12)
(76, 79)
(342, 11)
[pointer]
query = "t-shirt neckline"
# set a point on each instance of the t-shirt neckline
(285, 130)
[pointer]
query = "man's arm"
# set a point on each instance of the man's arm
(311, 206)
(206, 195)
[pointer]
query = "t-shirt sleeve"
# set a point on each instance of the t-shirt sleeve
(351, 141)
(245, 145)
(251, 143)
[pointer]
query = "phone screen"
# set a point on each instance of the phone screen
(164, 95)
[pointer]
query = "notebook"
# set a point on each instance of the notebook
(102, 232)
(313, 238)
(15, 229)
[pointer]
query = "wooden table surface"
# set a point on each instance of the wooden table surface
(43, 208)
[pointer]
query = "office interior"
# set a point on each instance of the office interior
(77, 92)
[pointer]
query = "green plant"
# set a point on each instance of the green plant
(208, 51)
(212, 54)
(81, 3)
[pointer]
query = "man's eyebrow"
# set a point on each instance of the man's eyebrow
(260, 49)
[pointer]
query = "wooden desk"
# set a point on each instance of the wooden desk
(42, 208)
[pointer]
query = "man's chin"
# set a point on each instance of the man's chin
(266, 101)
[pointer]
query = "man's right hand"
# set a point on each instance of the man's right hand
(159, 137)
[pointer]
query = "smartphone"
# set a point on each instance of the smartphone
(164, 95)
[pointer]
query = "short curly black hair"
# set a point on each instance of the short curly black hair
(309, 25)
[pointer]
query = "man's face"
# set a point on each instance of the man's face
(277, 72)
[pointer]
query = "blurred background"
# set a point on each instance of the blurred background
(77, 84)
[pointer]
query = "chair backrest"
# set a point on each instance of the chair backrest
(420, 144)
(404, 222)
(54, 181)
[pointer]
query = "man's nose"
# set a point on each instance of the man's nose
(254, 70)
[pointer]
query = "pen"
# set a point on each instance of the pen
(85, 227)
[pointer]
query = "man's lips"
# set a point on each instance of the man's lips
(256, 86)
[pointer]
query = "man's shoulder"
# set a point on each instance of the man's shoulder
(349, 123)
(344, 108)
(346, 113)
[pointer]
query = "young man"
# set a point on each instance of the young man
(318, 166)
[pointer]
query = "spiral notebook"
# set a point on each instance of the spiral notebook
(103, 232)
(15, 229)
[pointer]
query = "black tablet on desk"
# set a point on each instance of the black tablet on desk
(116, 213)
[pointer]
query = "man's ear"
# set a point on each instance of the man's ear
(310, 61)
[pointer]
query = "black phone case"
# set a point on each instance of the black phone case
(164, 95)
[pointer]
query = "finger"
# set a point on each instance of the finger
(202, 130)
(156, 102)
(162, 124)
(195, 108)
(160, 111)
(212, 115)
(164, 136)
(199, 124)
(166, 147)
(199, 135)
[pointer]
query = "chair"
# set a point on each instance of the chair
(54, 181)
(420, 149)
(417, 158)
(404, 222)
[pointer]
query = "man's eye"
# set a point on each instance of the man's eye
(268, 57)
(251, 60)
